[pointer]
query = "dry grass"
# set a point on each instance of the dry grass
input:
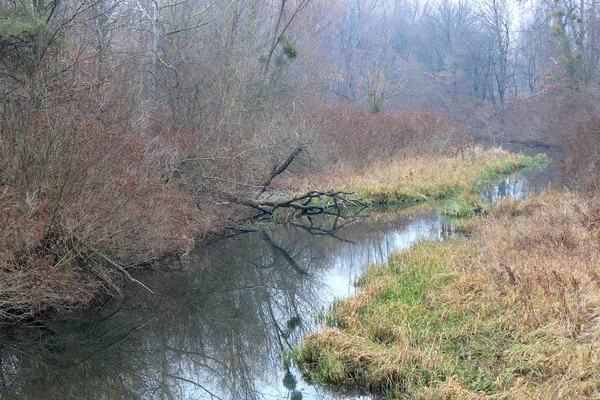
(513, 312)
(420, 178)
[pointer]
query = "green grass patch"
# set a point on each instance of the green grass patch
(401, 334)
(511, 164)
(462, 207)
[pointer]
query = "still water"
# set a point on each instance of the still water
(219, 326)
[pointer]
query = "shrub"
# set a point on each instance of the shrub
(581, 162)
(80, 193)
(359, 137)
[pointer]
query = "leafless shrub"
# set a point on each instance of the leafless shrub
(81, 196)
(581, 162)
(359, 137)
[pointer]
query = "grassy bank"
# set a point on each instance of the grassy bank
(513, 312)
(415, 179)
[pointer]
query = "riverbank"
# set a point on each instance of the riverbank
(421, 178)
(253, 294)
(511, 312)
(69, 261)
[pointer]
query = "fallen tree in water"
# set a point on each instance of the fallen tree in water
(312, 202)
(308, 203)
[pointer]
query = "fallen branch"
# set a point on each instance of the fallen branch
(119, 268)
(305, 203)
(278, 170)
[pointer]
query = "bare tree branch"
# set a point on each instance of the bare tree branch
(278, 170)
(305, 203)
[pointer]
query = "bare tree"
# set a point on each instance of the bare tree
(495, 18)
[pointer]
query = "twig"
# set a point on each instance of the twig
(119, 268)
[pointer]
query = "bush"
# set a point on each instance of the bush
(80, 184)
(581, 162)
(359, 137)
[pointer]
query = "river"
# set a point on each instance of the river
(220, 326)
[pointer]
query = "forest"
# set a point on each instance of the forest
(130, 130)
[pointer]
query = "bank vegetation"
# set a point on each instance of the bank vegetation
(512, 312)
(130, 130)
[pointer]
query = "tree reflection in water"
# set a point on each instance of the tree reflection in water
(216, 329)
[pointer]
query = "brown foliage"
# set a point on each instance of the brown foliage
(360, 137)
(78, 178)
(529, 120)
(582, 159)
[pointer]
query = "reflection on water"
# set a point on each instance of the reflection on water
(220, 327)
(534, 181)
(217, 329)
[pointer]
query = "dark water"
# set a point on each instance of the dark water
(220, 327)
(519, 187)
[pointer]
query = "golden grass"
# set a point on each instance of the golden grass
(423, 177)
(513, 312)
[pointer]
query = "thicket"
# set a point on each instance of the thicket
(81, 194)
(581, 163)
(361, 138)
